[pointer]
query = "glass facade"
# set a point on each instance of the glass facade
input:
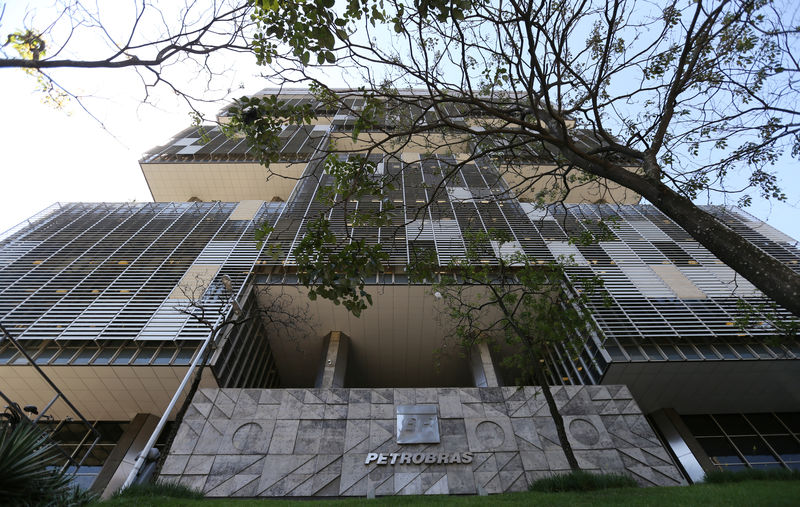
(71, 438)
(101, 353)
(95, 283)
(739, 441)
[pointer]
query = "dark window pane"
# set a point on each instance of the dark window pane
(65, 355)
(734, 424)
(85, 356)
(761, 350)
(145, 355)
(707, 351)
(7, 354)
(125, 355)
(83, 481)
(98, 455)
(754, 449)
(85, 469)
(46, 355)
(185, 355)
(616, 353)
(786, 446)
(733, 468)
(725, 351)
(720, 451)
(689, 352)
(105, 355)
(767, 465)
(164, 355)
(634, 352)
(71, 433)
(701, 425)
(792, 420)
(671, 353)
(743, 351)
(110, 431)
(766, 423)
(653, 353)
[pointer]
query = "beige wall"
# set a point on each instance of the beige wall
(227, 182)
(528, 182)
(104, 393)
(231, 182)
(393, 343)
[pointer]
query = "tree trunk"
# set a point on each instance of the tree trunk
(772, 277)
(541, 379)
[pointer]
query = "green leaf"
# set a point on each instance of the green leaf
(26, 476)
(326, 38)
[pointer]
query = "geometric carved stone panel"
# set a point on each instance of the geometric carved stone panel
(343, 442)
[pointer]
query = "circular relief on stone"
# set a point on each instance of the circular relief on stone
(490, 434)
(584, 431)
(246, 436)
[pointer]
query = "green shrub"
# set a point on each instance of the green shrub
(27, 472)
(73, 497)
(752, 474)
(159, 489)
(582, 481)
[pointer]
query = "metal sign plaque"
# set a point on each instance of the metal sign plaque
(417, 424)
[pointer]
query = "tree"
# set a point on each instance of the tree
(689, 93)
(195, 37)
(668, 102)
(518, 302)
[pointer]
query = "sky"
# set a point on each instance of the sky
(50, 155)
(69, 155)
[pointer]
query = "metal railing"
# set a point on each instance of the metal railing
(16, 415)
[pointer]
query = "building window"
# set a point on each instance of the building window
(738, 441)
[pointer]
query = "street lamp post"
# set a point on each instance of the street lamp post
(163, 421)
(200, 357)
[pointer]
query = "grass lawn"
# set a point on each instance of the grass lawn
(742, 493)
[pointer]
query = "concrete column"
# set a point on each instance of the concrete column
(121, 459)
(684, 446)
(483, 371)
(333, 367)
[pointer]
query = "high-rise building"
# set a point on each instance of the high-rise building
(113, 302)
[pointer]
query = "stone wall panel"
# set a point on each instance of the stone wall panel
(315, 442)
